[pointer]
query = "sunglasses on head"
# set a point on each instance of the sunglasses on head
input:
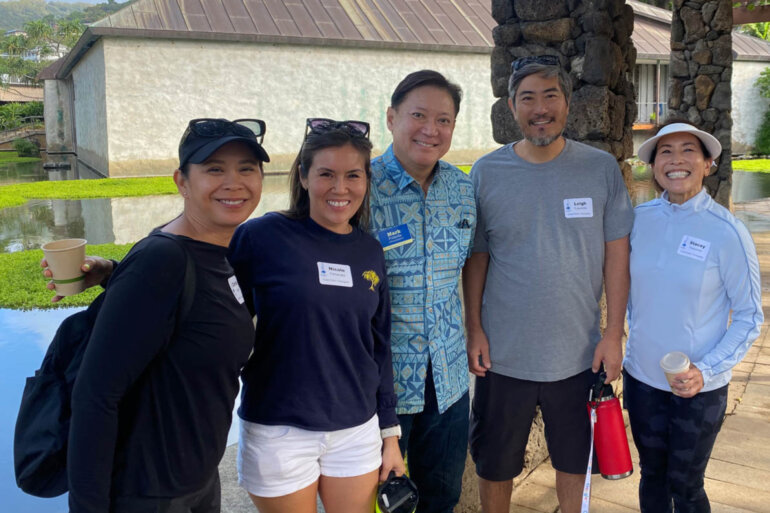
(321, 125)
(212, 127)
(545, 60)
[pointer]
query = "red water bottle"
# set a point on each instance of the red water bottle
(610, 439)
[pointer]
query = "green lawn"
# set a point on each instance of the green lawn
(753, 166)
(11, 157)
(18, 194)
(24, 283)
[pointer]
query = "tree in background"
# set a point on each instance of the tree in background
(47, 30)
(13, 115)
(760, 30)
(24, 54)
(15, 13)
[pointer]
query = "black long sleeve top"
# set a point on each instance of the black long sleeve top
(152, 407)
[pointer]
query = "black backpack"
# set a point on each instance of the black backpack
(42, 426)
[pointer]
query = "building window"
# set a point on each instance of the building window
(651, 93)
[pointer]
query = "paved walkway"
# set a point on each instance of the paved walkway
(738, 475)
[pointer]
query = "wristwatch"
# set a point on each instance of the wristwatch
(389, 431)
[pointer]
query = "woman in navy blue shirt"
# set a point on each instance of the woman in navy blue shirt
(318, 406)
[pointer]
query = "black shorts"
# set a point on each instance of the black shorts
(501, 417)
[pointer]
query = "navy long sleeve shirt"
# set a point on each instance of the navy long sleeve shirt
(321, 357)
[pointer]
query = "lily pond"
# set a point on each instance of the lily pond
(24, 335)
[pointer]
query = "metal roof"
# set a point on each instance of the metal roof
(465, 23)
(446, 25)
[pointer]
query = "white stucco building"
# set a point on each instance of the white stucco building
(121, 99)
(135, 78)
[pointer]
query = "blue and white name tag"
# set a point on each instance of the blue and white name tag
(337, 275)
(695, 248)
(394, 237)
(578, 207)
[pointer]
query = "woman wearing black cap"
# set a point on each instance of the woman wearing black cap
(154, 396)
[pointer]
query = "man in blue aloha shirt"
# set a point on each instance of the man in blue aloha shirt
(424, 214)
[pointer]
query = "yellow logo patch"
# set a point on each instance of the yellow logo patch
(372, 277)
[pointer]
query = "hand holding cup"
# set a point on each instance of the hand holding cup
(684, 378)
(94, 270)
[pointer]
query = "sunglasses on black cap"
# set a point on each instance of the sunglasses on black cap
(322, 125)
(545, 60)
(213, 127)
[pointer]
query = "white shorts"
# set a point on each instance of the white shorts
(279, 460)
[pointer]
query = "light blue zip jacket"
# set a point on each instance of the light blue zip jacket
(691, 265)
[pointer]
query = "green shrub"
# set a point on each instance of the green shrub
(31, 109)
(26, 148)
(762, 142)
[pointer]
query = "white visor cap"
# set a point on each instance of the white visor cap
(648, 147)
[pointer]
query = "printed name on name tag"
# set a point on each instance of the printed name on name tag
(578, 207)
(692, 247)
(394, 237)
(337, 275)
(233, 281)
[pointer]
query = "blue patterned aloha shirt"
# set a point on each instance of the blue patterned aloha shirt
(424, 275)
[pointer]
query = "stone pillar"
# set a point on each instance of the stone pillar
(701, 70)
(592, 39)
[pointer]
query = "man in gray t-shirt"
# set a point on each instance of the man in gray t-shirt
(553, 224)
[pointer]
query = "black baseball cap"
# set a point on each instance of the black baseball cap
(205, 136)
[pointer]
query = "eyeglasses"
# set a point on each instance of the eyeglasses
(322, 125)
(213, 127)
(545, 60)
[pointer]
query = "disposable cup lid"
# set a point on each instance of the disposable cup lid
(674, 361)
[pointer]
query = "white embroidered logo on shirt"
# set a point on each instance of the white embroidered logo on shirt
(337, 275)
(233, 281)
(694, 248)
(578, 207)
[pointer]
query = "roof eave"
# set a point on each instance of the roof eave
(86, 41)
(652, 57)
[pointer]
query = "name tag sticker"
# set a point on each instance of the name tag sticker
(578, 207)
(233, 281)
(337, 275)
(394, 237)
(692, 247)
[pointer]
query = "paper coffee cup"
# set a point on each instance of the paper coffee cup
(674, 363)
(64, 260)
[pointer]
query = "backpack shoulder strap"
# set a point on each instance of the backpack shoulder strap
(188, 292)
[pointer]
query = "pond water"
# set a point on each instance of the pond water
(24, 338)
(22, 172)
(124, 220)
(25, 335)
(100, 221)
